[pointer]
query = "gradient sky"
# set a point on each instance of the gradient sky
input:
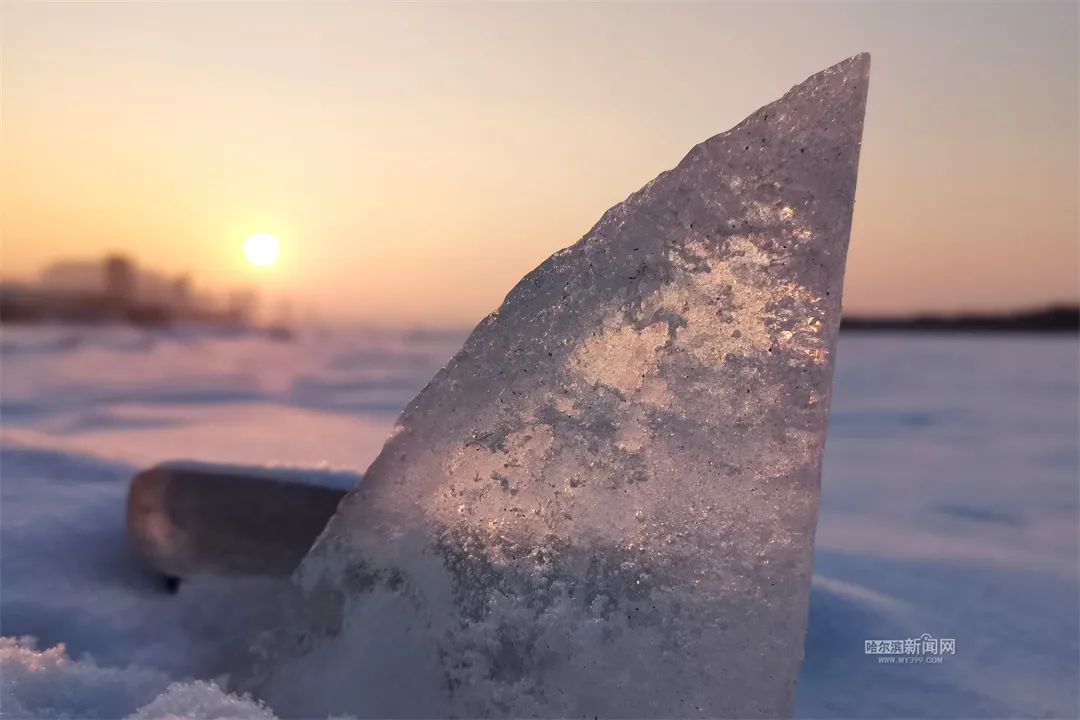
(417, 159)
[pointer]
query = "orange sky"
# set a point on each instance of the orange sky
(416, 160)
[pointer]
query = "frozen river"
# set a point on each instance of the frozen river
(950, 509)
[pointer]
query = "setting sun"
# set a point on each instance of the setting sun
(262, 249)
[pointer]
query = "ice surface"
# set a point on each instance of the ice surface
(326, 401)
(605, 504)
(949, 506)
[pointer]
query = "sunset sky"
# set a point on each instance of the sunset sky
(415, 160)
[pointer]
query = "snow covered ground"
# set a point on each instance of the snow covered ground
(950, 508)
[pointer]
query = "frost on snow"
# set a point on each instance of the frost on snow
(202, 701)
(605, 504)
(48, 684)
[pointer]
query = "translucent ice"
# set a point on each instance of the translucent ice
(193, 518)
(605, 504)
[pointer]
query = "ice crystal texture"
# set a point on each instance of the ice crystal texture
(605, 504)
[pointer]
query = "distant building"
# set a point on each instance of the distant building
(73, 276)
(181, 292)
(117, 290)
(241, 305)
(119, 281)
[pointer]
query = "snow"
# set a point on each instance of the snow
(949, 507)
(49, 684)
(202, 701)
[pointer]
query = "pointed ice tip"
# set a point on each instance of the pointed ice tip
(684, 372)
(854, 65)
(859, 61)
(816, 123)
(854, 68)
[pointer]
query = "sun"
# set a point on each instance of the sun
(262, 249)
